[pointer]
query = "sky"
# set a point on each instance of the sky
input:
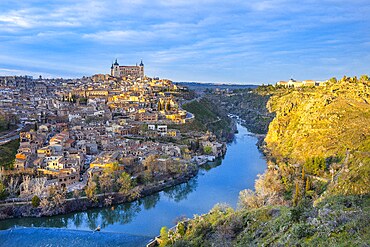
(233, 41)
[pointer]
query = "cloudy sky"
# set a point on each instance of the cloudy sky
(243, 41)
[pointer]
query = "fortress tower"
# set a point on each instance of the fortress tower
(136, 71)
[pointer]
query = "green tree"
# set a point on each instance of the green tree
(164, 236)
(308, 184)
(35, 201)
(296, 195)
(207, 150)
(322, 164)
(181, 229)
(125, 183)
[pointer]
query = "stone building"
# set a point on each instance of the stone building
(136, 71)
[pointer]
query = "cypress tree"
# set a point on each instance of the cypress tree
(308, 184)
(296, 194)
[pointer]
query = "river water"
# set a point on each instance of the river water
(219, 182)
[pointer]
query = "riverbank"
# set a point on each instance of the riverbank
(213, 183)
(25, 209)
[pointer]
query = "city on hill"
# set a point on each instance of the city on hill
(120, 134)
(68, 145)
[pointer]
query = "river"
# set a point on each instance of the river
(218, 182)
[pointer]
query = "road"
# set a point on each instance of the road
(12, 135)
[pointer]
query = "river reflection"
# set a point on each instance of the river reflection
(214, 183)
(180, 192)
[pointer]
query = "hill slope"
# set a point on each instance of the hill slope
(316, 189)
(322, 122)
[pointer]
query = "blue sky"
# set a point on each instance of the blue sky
(187, 40)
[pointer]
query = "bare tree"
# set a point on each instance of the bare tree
(57, 196)
(106, 183)
(150, 163)
(76, 194)
(13, 186)
(39, 185)
(249, 199)
(26, 185)
(90, 190)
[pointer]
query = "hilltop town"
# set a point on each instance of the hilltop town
(117, 132)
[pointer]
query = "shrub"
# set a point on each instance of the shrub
(295, 214)
(301, 230)
(35, 201)
(181, 229)
(207, 150)
(164, 236)
(182, 243)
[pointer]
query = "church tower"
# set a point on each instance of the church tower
(111, 69)
(115, 71)
(141, 65)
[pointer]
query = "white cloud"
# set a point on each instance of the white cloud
(120, 36)
(179, 34)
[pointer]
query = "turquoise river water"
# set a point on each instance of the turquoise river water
(133, 224)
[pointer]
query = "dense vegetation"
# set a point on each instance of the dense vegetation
(4, 123)
(209, 116)
(7, 121)
(337, 221)
(248, 105)
(7, 153)
(316, 188)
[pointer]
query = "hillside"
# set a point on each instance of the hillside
(319, 122)
(316, 188)
(248, 105)
(209, 117)
(338, 221)
(7, 154)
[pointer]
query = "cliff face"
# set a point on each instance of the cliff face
(319, 122)
(316, 189)
(249, 106)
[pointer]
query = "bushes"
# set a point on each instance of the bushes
(207, 150)
(301, 231)
(35, 201)
(208, 116)
(339, 219)
(7, 154)
(164, 236)
(248, 199)
(315, 165)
